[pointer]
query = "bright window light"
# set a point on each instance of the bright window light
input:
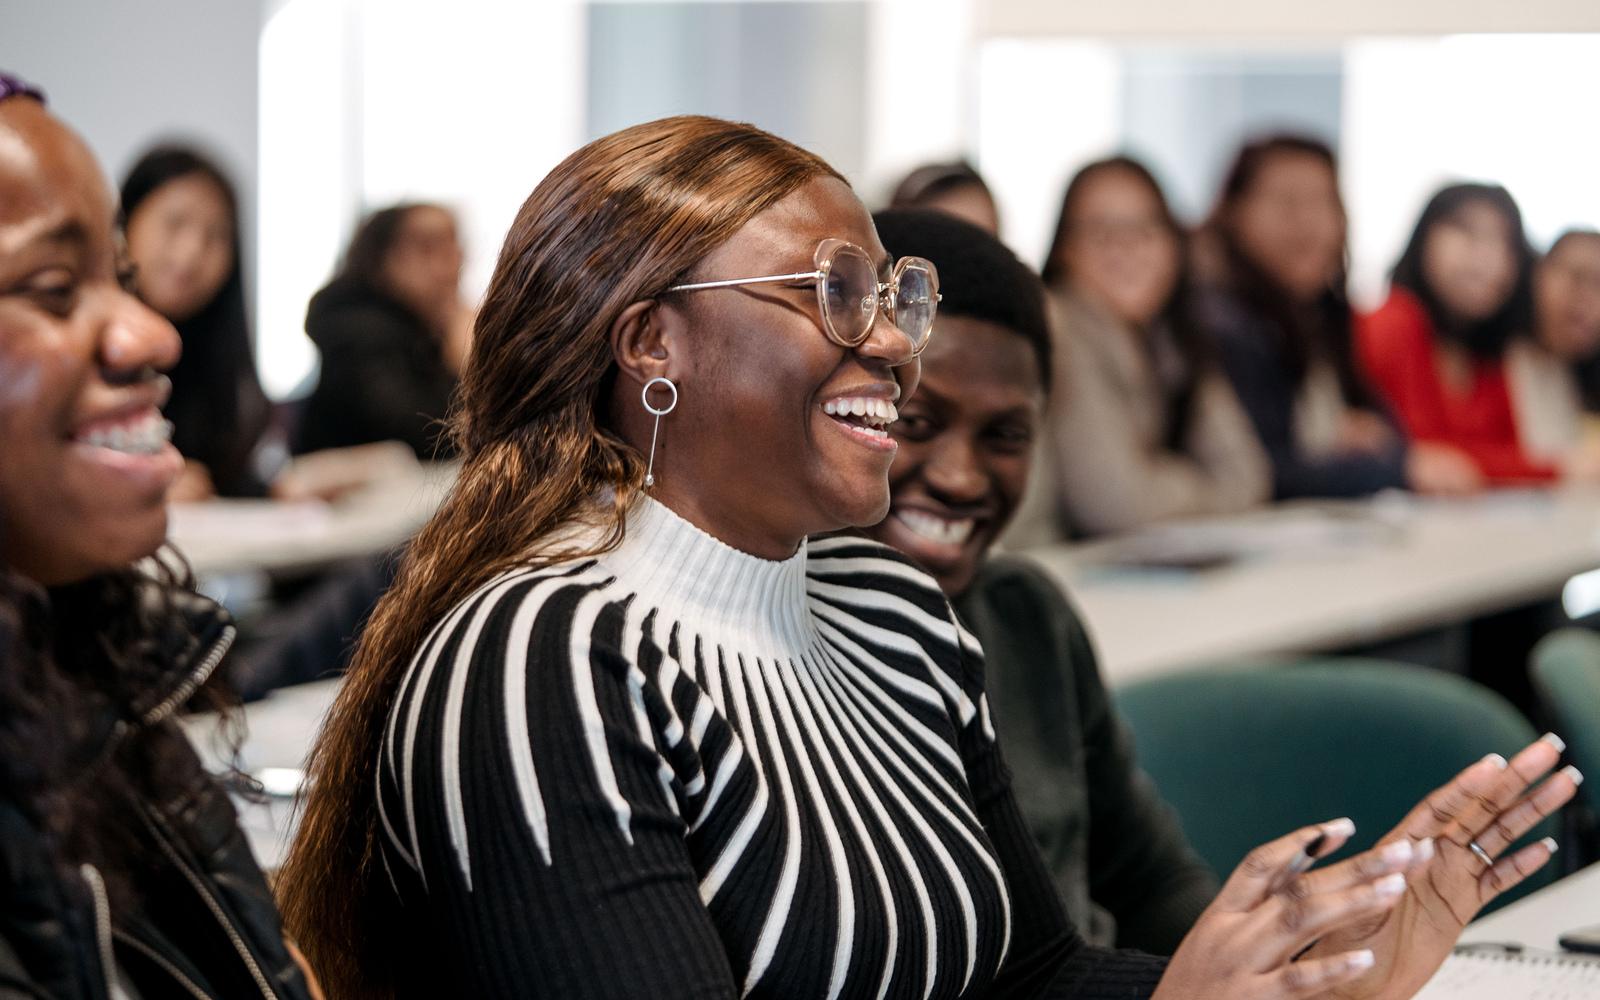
(1045, 107)
(305, 179)
(1419, 113)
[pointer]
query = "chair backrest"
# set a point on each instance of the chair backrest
(1566, 673)
(1246, 755)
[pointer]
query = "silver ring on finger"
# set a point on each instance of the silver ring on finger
(1483, 855)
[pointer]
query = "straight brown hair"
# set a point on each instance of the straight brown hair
(619, 221)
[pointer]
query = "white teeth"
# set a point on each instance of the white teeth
(876, 414)
(935, 528)
(144, 436)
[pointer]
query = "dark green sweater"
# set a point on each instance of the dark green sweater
(1126, 873)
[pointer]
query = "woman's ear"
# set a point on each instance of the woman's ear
(641, 341)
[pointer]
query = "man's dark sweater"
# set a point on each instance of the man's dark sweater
(1114, 848)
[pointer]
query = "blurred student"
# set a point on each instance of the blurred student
(952, 188)
(1143, 424)
(1113, 847)
(1552, 373)
(181, 216)
(1277, 305)
(393, 332)
(123, 871)
(1436, 348)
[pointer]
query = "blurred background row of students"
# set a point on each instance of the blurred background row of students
(1212, 370)
(1201, 372)
(391, 325)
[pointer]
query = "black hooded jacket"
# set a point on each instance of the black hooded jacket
(199, 920)
(383, 374)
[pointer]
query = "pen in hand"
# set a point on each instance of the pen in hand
(1340, 830)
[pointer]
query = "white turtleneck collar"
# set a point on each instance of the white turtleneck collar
(753, 604)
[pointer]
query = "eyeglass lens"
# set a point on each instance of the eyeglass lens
(851, 297)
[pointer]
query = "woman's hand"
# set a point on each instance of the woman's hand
(1489, 804)
(1244, 945)
(1364, 432)
(1443, 470)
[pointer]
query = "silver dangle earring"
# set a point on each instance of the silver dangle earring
(650, 471)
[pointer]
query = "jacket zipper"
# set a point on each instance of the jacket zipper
(216, 911)
(166, 966)
(102, 930)
(196, 677)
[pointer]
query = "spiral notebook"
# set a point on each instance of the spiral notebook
(1525, 976)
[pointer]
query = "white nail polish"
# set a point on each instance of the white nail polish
(1362, 960)
(1390, 885)
(1554, 740)
(1397, 853)
(1342, 827)
(1573, 773)
(1425, 849)
(1550, 844)
(1499, 761)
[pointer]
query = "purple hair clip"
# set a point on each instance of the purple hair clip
(12, 86)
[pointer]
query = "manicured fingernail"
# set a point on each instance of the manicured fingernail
(1390, 885)
(1573, 773)
(1550, 844)
(1342, 827)
(1554, 740)
(1397, 853)
(1499, 761)
(1425, 849)
(1362, 960)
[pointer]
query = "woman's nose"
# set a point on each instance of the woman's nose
(135, 336)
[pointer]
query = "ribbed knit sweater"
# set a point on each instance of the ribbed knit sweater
(678, 770)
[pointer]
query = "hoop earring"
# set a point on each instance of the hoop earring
(650, 471)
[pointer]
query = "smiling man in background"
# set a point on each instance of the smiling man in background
(1114, 848)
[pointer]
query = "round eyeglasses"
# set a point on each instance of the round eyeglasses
(850, 296)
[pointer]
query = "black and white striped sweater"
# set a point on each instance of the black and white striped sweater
(678, 770)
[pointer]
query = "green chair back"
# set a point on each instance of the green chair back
(1246, 755)
(1566, 674)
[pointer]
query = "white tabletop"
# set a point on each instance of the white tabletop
(220, 536)
(1539, 920)
(1328, 576)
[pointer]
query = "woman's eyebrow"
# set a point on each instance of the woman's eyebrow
(70, 234)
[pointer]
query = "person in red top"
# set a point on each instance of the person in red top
(1436, 348)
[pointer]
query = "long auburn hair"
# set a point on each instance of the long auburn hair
(619, 221)
(1177, 313)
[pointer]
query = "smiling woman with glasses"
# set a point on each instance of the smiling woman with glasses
(628, 726)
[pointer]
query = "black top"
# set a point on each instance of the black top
(1270, 389)
(383, 376)
(196, 919)
(1114, 848)
(681, 771)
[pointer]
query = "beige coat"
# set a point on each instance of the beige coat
(1102, 464)
(1545, 400)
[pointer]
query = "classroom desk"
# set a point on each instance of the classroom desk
(1321, 577)
(1540, 919)
(220, 536)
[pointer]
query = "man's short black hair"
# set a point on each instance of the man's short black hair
(978, 276)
